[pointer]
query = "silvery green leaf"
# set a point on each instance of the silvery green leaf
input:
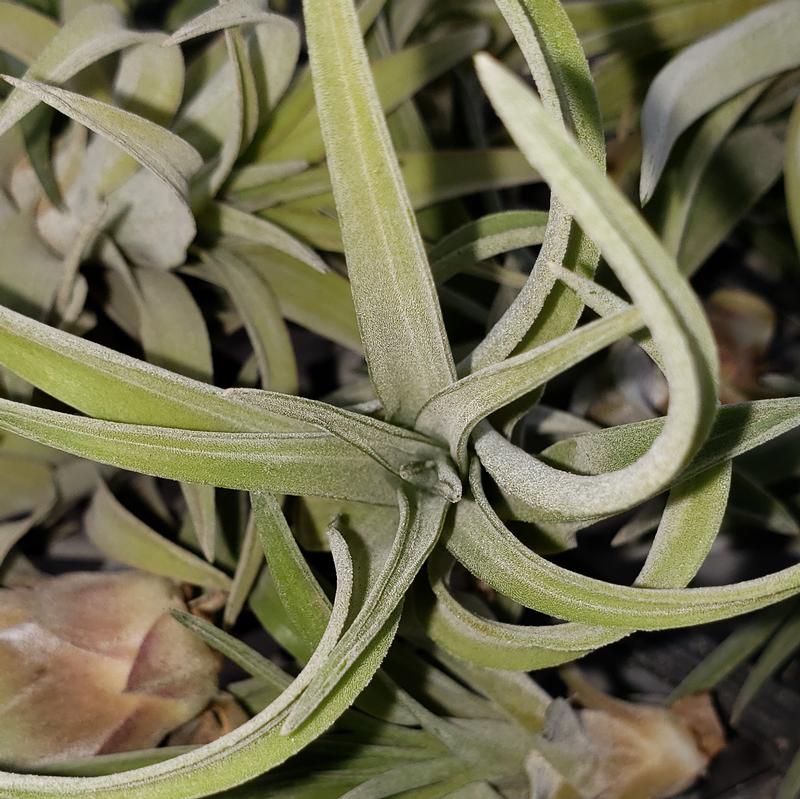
(241, 654)
(420, 523)
(431, 177)
(259, 310)
(109, 385)
(738, 647)
(24, 32)
(207, 114)
(453, 413)
(783, 644)
(688, 528)
(123, 537)
(491, 644)
(406, 453)
(519, 696)
(406, 778)
(30, 488)
(685, 178)
(149, 82)
(173, 331)
(397, 78)
(317, 227)
(305, 604)
(73, 288)
(27, 484)
(174, 335)
(36, 130)
(167, 156)
(531, 580)
(737, 429)
(484, 238)
(288, 463)
(689, 525)
(100, 765)
(274, 48)
(31, 290)
(87, 38)
(240, 118)
(755, 47)
(657, 27)
(403, 18)
(253, 176)
(721, 201)
(202, 506)
(226, 221)
(230, 14)
(399, 316)
(604, 303)
(319, 302)
(251, 559)
(265, 603)
(561, 73)
(651, 278)
(71, 8)
(755, 503)
(248, 751)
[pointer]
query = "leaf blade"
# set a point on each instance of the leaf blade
(399, 315)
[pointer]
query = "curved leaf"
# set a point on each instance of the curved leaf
(492, 553)
(262, 319)
(88, 37)
(248, 751)
(230, 14)
(561, 73)
(121, 536)
(225, 220)
(673, 313)
(483, 239)
(453, 413)
(689, 525)
(755, 47)
(418, 531)
(168, 157)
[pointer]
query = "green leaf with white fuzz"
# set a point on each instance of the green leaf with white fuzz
(758, 46)
(123, 537)
(453, 413)
(256, 304)
(230, 14)
(401, 325)
(305, 463)
(420, 523)
(543, 310)
(245, 753)
(484, 238)
(168, 157)
(227, 221)
(86, 39)
(650, 276)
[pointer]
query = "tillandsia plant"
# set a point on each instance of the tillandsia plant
(417, 472)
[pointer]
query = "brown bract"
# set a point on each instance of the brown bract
(92, 663)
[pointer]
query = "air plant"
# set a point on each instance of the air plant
(422, 474)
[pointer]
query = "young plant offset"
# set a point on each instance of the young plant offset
(430, 459)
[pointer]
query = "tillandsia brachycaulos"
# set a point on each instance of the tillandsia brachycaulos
(432, 457)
